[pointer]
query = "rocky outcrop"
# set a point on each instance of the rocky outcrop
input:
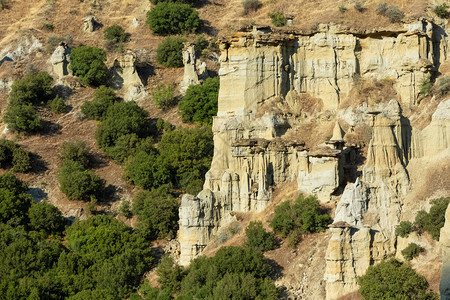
(194, 71)
(125, 76)
(90, 24)
(60, 61)
(444, 287)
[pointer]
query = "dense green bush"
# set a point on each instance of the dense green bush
(442, 10)
(278, 19)
(404, 228)
(157, 213)
(57, 105)
(14, 202)
(305, 215)
(163, 97)
(75, 151)
(413, 250)
(173, 18)
(199, 104)
(442, 88)
(250, 5)
(170, 274)
(258, 237)
(392, 279)
(88, 64)
(46, 218)
(77, 183)
(129, 145)
(433, 221)
(12, 155)
(169, 52)
(188, 153)
(104, 97)
(33, 89)
(22, 118)
(147, 169)
(115, 34)
(193, 2)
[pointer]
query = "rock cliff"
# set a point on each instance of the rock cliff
(264, 75)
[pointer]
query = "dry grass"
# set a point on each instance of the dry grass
(370, 91)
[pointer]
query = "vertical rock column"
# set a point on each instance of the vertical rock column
(444, 287)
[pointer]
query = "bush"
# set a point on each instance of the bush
(14, 202)
(442, 10)
(394, 14)
(76, 151)
(104, 97)
(192, 2)
(426, 86)
(170, 274)
(223, 236)
(22, 118)
(342, 9)
(46, 218)
(88, 64)
(77, 183)
(381, 8)
(404, 229)
(173, 18)
(33, 89)
(442, 88)
(115, 34)
(129, 145)
(147, 170)
(258, 237)
(358, 6)
(392, 279)
(305, 215)
(413, 250)
(157, 213)
(250, 5)
(163, 97)
(57, 105)
(170, 52)
(433, 221)
(12, 155)
(201, 43)
(278, 19)
(199, 104)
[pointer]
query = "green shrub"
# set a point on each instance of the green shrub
(442, 10)
(46, 218)
(12, 155)
(88, 64)
(22, 118)
(258, 237)
(201, 43)
(48, 26)
(170, 274)
(128, 145)
(163, 97)
(57, 105)
(394, 14)
(173, 18)
(305, 215)
(426, 86)
(278, 19)
(162, 125)
(358, 6)
(104, 97)
(433, 221)
(115, 34)
(404, 229)
(77, 183)
(125, 209)
(75, 151)
(413, 250)
(192, 2)
(169, 52)
(199, 104)
(147, 170)
(392, 279)
(342, 9)
(33, 89)
(250, 5)
(157, 213)
(4, 4)
(442, 88)
(14, 202)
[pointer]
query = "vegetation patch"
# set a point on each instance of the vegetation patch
(104, 97)
(413, 250)
(278, 18)
(170, 52)
(433, 221)
(392, 12)
(13, 156)
(258, 237)
(163, 97)
(173, 18)
(88, 63)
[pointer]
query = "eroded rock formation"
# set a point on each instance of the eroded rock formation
(125, 76)
(194, 70)
(60, 61)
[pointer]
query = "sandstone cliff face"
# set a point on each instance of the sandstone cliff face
(252, 153)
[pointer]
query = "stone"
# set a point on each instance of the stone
(90, 24)
(60, 61)
(352, 206)
(194, 70)
(135, 22)
(125, 76)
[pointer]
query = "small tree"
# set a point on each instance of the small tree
(57, 105)
(392, 279)
(12, 155)
(22, 118)
(170, 274)
(435, 219)
(278, 19)
(33, 89)
(115, 34)
(173, 18)
(258, 237)
(104, 97)
(442, 88)
(163, 97)
(413, 250)
(404, 228)
(46, 218)
(442, 10)
(88, 64)
(76, 151)
(169, 52)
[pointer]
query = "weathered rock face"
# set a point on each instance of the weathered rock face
(444, 287)
(90, 24)
(60, 61)
(194, 70)
(124, 75)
